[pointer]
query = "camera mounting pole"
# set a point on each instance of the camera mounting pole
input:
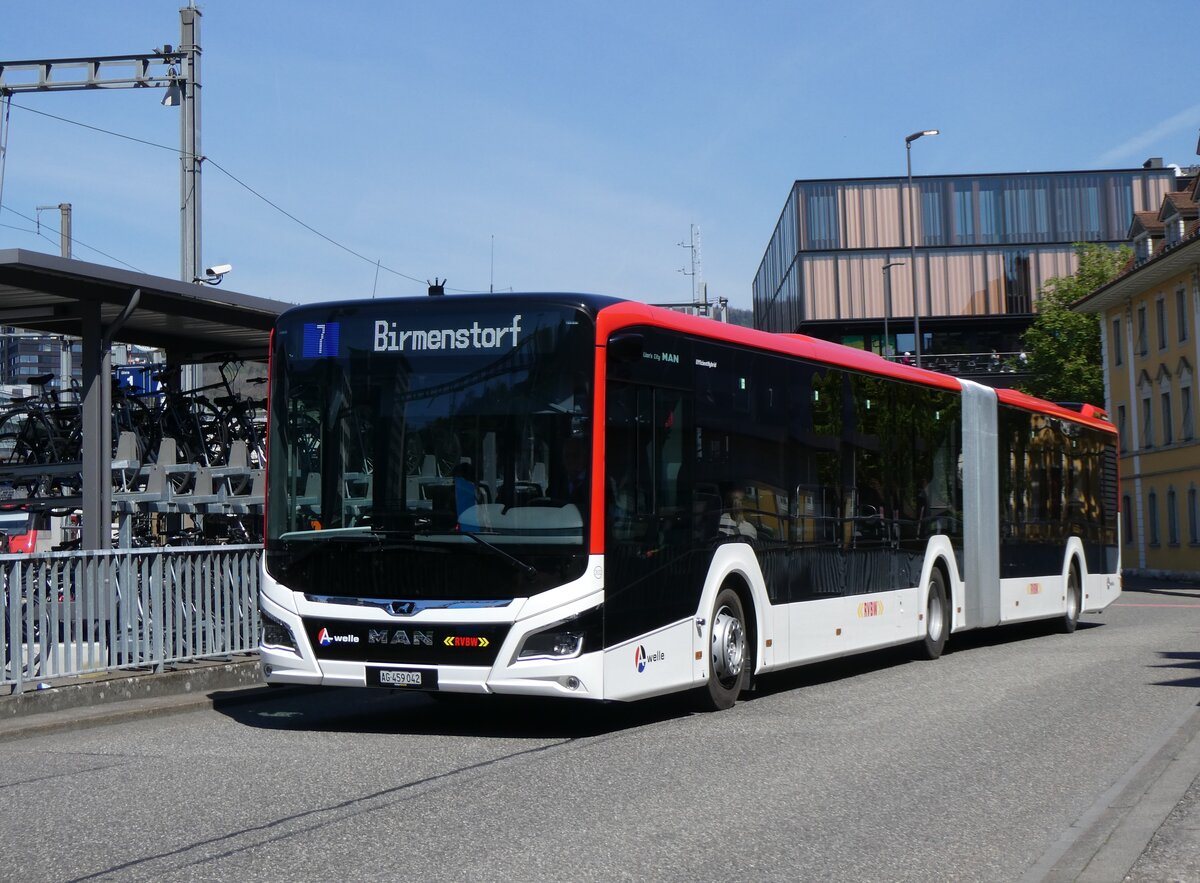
(175, 69)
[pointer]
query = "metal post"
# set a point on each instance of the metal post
(97, 434)
(64, 228)
(189, 179)
(912, 240)
(191, 253)
(912, 256)
(64, 353)
(887, 303)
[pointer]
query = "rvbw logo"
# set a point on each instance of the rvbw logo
(641, 660)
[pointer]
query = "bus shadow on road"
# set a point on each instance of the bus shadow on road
(368, 710)
(880, 660)
(371, 710)
(1173, 591)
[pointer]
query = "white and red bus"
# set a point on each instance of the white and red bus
(579, 496)
(19, 529)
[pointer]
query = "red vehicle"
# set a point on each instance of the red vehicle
(19, 530)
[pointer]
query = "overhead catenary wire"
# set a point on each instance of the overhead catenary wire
(209, 160)
(40, 234)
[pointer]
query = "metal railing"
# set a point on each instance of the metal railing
(968, 363)
(74, 613)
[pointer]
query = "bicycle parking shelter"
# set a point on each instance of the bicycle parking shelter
(103, 305)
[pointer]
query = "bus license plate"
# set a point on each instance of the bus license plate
(407, 678)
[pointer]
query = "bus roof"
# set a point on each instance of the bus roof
(1088, 415)
(613, 313)
(627, 313)
(592, 303)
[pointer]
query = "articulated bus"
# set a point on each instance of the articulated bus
(581, 496)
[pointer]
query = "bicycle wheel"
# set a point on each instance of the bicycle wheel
(27, 439)
(131, 415)
(213, 431)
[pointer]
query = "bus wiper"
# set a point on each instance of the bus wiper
(383, 539)
(528, 569)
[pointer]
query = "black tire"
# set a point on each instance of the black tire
(1074, 599)
(728, 652)
(937, 617)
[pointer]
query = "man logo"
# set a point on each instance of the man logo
(414, 638)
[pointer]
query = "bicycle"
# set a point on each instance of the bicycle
(42, 430)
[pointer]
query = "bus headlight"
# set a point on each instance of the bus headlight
(552, 645)
(566, 639)
(275, 634)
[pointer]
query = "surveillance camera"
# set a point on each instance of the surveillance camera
(218, 270)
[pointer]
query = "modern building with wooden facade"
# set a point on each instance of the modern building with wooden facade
(985, 244)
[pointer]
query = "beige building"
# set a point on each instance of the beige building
(1151, 345)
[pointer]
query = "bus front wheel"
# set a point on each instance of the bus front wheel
(937, 617)
(1074, 604)
(728, 658)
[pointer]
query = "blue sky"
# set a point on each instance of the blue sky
(574, 142)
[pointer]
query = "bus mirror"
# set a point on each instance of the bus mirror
(625, 347)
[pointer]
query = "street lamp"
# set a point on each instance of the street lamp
(887, 301)
(912, 239)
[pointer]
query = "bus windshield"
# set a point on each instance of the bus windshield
(420, 449)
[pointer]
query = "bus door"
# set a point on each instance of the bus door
(654, 571)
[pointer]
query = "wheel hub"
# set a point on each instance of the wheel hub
(934, 619)
(728, 645)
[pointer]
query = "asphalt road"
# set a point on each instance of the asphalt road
(994, 763)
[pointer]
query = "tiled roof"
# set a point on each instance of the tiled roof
(1145, 222)
(1180, 202)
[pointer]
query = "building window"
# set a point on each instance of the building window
(1167, 436)
(1116, 342)
(1193, 518)
(821, 217)
(1152, 516)
(1181, 314)
(1143, 339)
(964, 213)
(1160, 313)
(1188, 429)
(931, 215)
(991, 215)
(1172, 519)
(1121, 427)
(1017, 285)
(1147, 424)
(1127, 518)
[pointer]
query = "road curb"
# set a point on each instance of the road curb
(92, 702)
(1108, 839)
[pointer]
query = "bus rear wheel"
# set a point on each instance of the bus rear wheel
(728, 669)
(937, 617)
(1070, 618)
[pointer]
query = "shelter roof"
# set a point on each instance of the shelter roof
(55, 295)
